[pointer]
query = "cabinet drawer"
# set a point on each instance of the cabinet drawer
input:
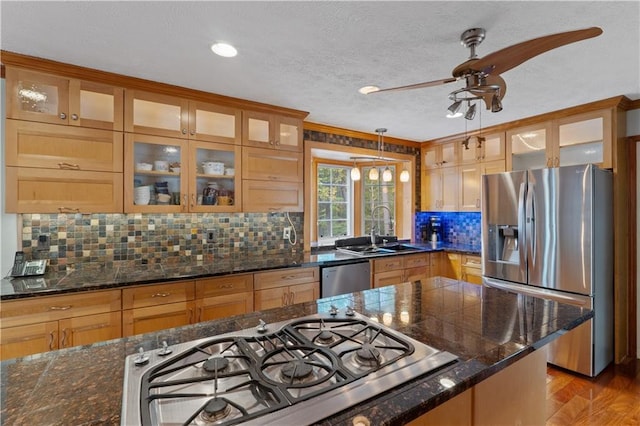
(386, 278)
(272, 196)
(417, 273)
(285, 277)
(50, 308)
(32, 190)
(223, 285)
(157, 294)
(272, 165)
(57, 147)
(416, 260)
(388, 264)
(154, 318)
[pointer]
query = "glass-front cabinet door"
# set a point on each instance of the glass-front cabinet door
(154, 174)
(215, 184)
(584, 139)
(289, 134)
(213, 123)
(52, 99)
(272, 131)
(257, 129)
(527, 148)
(156, 114)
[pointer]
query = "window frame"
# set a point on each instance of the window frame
(350, 203)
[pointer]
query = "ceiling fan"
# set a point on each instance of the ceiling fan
(482, 75)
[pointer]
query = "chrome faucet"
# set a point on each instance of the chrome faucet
(373, 217)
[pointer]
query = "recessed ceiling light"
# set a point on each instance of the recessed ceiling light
(224, 49)
(368, 89)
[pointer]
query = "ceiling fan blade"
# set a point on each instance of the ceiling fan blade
(418, 85)
(512, 56)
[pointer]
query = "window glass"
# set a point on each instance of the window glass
(379, 202)
(334, 202)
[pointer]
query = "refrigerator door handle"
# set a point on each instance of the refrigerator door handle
(582, 301)
(521, 227)
(531, 226)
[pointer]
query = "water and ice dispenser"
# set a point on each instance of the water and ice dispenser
(503, 244)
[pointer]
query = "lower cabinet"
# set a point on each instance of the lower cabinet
(223, 297)
(513, 396)
(397, 269)
(55, 322)
(285, 287)
(471, 269)
(156, 307)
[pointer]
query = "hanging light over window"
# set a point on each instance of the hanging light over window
(373, 173)
(355, 172)
(387, 175)
(404, 175)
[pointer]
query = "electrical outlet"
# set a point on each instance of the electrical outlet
(44, 242)
(286, 233)
(211, 235)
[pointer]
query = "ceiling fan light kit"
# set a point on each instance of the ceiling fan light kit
(482, 75)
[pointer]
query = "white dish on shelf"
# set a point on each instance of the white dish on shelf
(161, 165)
(144, 167)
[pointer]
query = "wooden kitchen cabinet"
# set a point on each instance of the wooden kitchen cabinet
(33, 190)
(155, 307)
(529, 147)
(188, 180)
(266, 196)
(221, 297)
(450, 266)
(48, 98)
(440, 189)
(283, 287)
(470, 183)
(271, 131)
(396, 269)
(62, 169)
(53, 322)
(440, 155)
(163, 115)
(471, 269)
(273, 166)
(489, 147)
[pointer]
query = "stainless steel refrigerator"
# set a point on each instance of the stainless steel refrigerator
(549, 233)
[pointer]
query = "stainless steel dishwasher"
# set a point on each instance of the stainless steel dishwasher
(340, 279)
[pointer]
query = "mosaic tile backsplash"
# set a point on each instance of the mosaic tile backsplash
(458, 227)
(155, 238)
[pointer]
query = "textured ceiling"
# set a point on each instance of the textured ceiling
(313, 56)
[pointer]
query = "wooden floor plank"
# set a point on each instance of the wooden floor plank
(612, 398)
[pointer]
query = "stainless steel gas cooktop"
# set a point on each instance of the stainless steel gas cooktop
(293, 372)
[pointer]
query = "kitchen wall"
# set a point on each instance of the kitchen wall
(152, 238)
(458, 227)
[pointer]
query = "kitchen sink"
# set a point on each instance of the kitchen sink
(377, 250)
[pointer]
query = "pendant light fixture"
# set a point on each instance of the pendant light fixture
(355, 171)
(387, 175)
(404, 175)
(373, 172)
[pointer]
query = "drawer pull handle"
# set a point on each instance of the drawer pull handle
(64, 209)
(64, 165)
(161, 295)
(60, 308)
(63, 343)
(225, 286)
(51, 340)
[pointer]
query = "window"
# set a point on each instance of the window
(335, 218)
(378, 203)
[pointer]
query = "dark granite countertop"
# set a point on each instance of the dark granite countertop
(96, 276)
(488, 329)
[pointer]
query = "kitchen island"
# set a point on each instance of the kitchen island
(489, 330)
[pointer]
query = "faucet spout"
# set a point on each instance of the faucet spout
(373, 218)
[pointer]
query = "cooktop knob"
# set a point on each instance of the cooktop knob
(333, 310)
(164, 351)
(350, 312)
(142, 358)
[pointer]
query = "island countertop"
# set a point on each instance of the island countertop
(488, 329)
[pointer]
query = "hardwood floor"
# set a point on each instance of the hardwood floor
(612, 398)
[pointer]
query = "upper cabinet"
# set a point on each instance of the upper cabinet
(274, 131)
(163, 115)
(577, 139)
(482, 148)
(440, 155)
(48, 98)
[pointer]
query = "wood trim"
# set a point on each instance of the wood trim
(357, 134)
(621, 102)
(91, 74)
(633, 141)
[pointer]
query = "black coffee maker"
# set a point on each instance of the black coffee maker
(434, 230)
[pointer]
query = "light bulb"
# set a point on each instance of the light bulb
(387, 175)
(355, 173)
(404, 176)
(374, 174)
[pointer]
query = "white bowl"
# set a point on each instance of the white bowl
(230, 172)
(175, 169)
(164, 198)
(161, 165)
(144, 167)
